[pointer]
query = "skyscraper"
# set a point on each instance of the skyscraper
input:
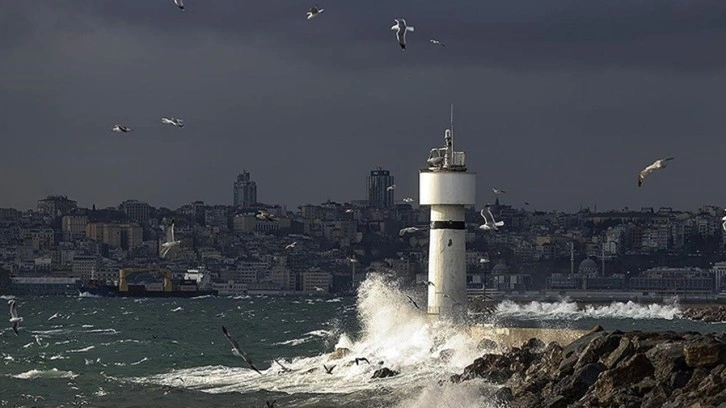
(379, 194)
(245, 191)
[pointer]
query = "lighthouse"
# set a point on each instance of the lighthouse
(447, 187)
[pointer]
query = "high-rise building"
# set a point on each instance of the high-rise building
(380, 189)
(245, 191)
(136, 211)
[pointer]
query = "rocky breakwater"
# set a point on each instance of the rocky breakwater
(706, 314)
(610, 369)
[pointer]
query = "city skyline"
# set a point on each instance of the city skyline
(558, 105)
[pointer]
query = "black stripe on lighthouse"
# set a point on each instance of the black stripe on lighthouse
(452, 225)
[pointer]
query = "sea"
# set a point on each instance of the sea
(142, 352)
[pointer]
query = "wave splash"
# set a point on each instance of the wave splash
(570, 310)
(394, 334)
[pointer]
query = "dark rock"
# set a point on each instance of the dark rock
(576, 385)
(533, 345)
(624, 349)
(526, 400)
(666, 358)
(487, 344)
(704, 353)
(384, 372)
(655, 398)
(678, 379)
(706, 314)
(556, 402)
(503, 395)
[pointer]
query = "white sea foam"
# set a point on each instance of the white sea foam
(52, 373)
(82, 350)
(571, 311)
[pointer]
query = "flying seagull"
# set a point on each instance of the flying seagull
(271, 404)
(170, 242)
(329, 370)
(408, 230)
(173, 121)
(291, 246)
(452, 299)
(408, 200)
(498, 191)
(427, 283)
(401, 28)
(179, 3)
(724, 223)
(14, 319)
(493, 225)
(412, 301)
(357, 359)
(437, 42)
(283, 367)
(237, 351)
(391, 187)
(121, 128)
(349, 211)
(265, 215)
(657, 165)
(314, 11)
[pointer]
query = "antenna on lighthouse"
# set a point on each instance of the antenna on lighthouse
(451, 126)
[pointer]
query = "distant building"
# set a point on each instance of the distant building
(125, 236)
(245, 191)
(74, 226)
(86, 267)
(136, 211)
(379, 194)
(56, 206)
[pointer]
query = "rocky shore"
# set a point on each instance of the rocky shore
(610, 369)
(706, 314)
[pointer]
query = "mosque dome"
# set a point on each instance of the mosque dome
(588, 267)
(500, 269)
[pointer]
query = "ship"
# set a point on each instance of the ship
(149, 282)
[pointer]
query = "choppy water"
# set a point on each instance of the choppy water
(171, 352)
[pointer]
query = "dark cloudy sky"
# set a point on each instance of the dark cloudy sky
(559, 102)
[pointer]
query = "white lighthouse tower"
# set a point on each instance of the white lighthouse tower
(447, 187)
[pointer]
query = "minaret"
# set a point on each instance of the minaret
(447, 187)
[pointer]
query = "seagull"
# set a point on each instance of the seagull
(408, 200)
(14, 319)
(494, 225)
(352, 260)
(121, 128)
(280, 364)
(657, 165)
(408, 230)
(412, 301)
(357, 359)
(179, 3)
(427, 283)
(724, 223)
(401, 28)
(314, 11)
(452, 299)
(483, 260)
(173, 121)
(329, 370)
(318, 289)
(170, 242)
(237, 351)
(437, 42)
(265, 215)
(350, 211)
(391, 187)
(291, 246)
(271, 404)
(498, 191)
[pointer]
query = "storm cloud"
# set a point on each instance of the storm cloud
(560, 103)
